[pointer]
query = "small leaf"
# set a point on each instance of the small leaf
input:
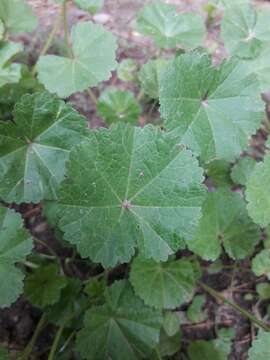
(123, 326)
(149, 77)
(219, 172)
(168, 345)
(171, 323)
(169, 29)
(261, 263)
(35, 146)
(195, 312)
(242, 170)
(93, 60)
(258, 193)
(17, 16)
(165, 284)
(245, 31)
(43, 287)
(132, 186)
(260, 349)
(225, 222)
(9, 72)
(263, 289)
(15, 245)
(92, 6)
(126, 70)
(213, 111)
(116, 105)
(210, 350)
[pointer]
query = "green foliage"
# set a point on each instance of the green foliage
(126, 70)
(116, 105)
(15, 245)
(3, 354)
(35, 146)
(261, 263)
(219, 172)
(163, 285)
(213, 111)
(92, 6)
(260, 349)
(171, 323)
(195, 312)
(122, 328)
(225, 223)
(242, 170)
(263, 289)
(9, 72)
(169, 29)
(93, 59)
(149, 77)
(134, 203)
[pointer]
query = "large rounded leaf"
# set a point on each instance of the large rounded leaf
(260, 349)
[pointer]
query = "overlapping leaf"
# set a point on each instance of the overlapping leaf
(214, 111)
(35, 146)
(93, 59)
(225, 223)
(132, 187)
(149, 77)
(163, 285)
(92, 6)
(15, 245)
(242, 170)
(123, 328)
(9, 72)
(260, 349)
(261, 263)
(169, 29)
(126, 70)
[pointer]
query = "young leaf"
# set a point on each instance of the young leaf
(9, 73)
(15, 245)
(195, 313)
(263, 289)
(214, 111)
(260, 349)
(168, 345)
(242, 170)
(261, 263)
(17, 16)
(219, 172)
(93, 60)
(169, 29)
(135, 187)
(35, 146)
(257, 193)
(149, 77)
(171, 323)
(122, 328)
(201, 349)
(92, 6)
(43, 287)
(245, 31)
(225, 222)
(116, 105)
(126, 70)
(163, 285)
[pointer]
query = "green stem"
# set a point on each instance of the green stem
(56, 342)
(140, 95)
(29, 347)
(92, 96)
(238, 308)
(66, 32)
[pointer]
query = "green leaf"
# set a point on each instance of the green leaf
(15, 245)
(169, 29)
(245, 31)
(261, 263)
(43, 287)
(163, 285)
(34, 148)
(168, 345)
(92, 6)
(171, 323)
(201, 349)
(214, 111)
(9, 73)
(149, 77)
(2, 29)
(219, 172)
(116, 105)
(195, 312)
(263, 289)
(258, 193)
(17, 16)
(126, 70)
(123, 328)
(228, 3)
(242, 170)
(225, 222)
(93, 60)
(132, 186)
(260, 349)
(3, 353)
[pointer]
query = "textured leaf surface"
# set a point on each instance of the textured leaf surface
(163, 285)
(245, 31)
(17, 16)
(261, 263)
(195, 312)
(123, 328)
(43, 287)
(210, 350)
(116, 105)
(34, 148)
(93, 60)
(126, 70)
(212, 110)
(242, 170)
(15, 245)
(149, 77)
(263, 290)
(258, 192)
(132, 187)
(9, 72)
(168, 29)
(92, 6)
(260, 349)
(2, 29)
(171, 323)
(225, 222)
